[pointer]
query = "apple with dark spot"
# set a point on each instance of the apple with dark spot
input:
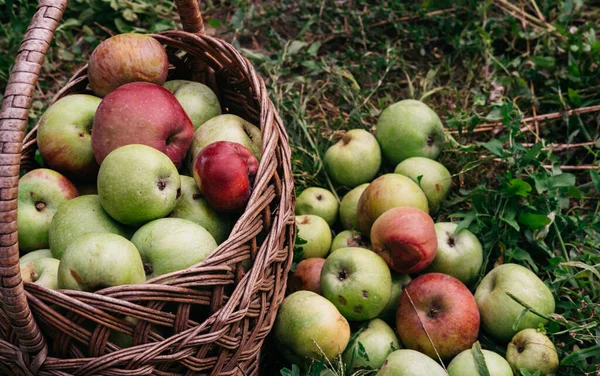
(318, 201)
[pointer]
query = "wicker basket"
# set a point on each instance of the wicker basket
(209, 319)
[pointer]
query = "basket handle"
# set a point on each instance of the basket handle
(191, 18)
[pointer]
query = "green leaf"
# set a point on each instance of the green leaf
(521, 255)
(314, 48)
(561, 180)
(533, 221)
(295, 46)
(581, 265)
(495, 146)
(579, 356)
(595, 179)
(543, 61)
(518, 187)
(215, 23)
(362, 352)
(574, 97)
(479, 358)
(532, 153)
(466, 222)
(299, 251)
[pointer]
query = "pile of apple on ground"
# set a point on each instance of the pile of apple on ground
(117, 204)
(401, 280)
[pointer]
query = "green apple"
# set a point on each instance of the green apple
(349, 206)
(308, 326)
(464, 364)
(137, 184)
(35, 255)
(357, 282)
(317, 234)
(369, 346)
(198, 100)
(399, 281)
(78, 217)
(354, 160)
(98, 260)
(433, 178)
(64, 136)
(409, 128)
(459, 255)
(350, 238)
(41, 192)
(410, 363)
(499, 312)
(386, 192)
(170, 244)
(194, 207)
(318, 201)
(533, 351)
(41, 271)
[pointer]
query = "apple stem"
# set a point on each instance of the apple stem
(451, 240)
(343, 274)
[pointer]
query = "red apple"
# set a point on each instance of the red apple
(142, 113)
(405, 238)
(224, 171)
(307, 276)
(127, 58)
(437, 308)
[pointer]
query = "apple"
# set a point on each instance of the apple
(459, 255)
(307, 275)
(78, 217)
(437, 308)
(349, 207)
(410, 363)
(41, 192)
(41, 271)
(98, 260)
(64, 136)
(499, 312)
(350, 238)
(137, 184)
(354, 160)
(318, 201)
(399, 281)
(35, 255)
(142, 113)
(357, 282)
(369, 346)
(384, 193)
(226, 127)
(533, 351)
(308, 326)
(224, 171)
(409, 128)
(125, 58)
(405, 238)
(170, 244)
(464, 364)
(433, 178)
(194, 207)
(198, 100)
(315, 232)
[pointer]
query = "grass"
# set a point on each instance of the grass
(530, 191)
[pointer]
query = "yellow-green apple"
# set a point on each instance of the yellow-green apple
(350, 238)
(125, 58)
(170, 244)
(194, 207)
(405, 238)
(399, 281)
(98, 260)
(41, 271)
(78, 217)
(35, 255)
(409, 128)
(433, 178)
(41, 192)
(316, 236)
(354, 160)
(137, 184)
(386, 192)
(533, 351)
(226, 127)
(309, 327)
(64, 136)
(437, 308)
(318, 201)
(307, 275)
(464, 364)
(349, 206)
(198, 100)
(142, 113)
(224, 171)
(500, 313)
(459, 255)
(369, 346)
(357, 282)
(410, 363)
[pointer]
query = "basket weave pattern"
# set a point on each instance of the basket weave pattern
(209, 319)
